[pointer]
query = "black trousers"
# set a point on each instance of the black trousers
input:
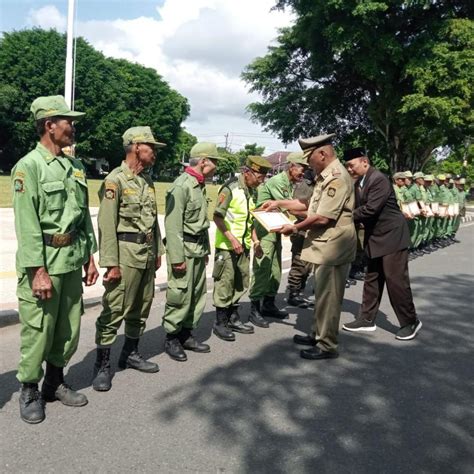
(390, 270)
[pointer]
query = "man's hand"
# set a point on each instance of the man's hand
(268, 206)
(112, 274)
(179, 267)
(158, 262)
(42, 286)
(236, 245)
(257, 249)
(91, 272)
(287, 229)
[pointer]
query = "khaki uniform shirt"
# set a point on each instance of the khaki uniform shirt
(128, 204)
(333, 197)
(186, 213)
(50, 196)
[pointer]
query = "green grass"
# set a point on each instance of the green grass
(94, 185)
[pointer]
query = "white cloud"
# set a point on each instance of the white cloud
(199, 46)
(47, 17)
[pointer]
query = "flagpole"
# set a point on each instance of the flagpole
(69, 80)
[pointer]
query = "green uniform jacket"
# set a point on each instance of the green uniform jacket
(128, 204)
(444, 196)
(186, 213)
(278, 187)
(50, 196)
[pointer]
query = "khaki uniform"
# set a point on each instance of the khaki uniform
(267, 269)
(54, 229)
(186, 226)
(129, 238)
(231, 271)
(331, 249)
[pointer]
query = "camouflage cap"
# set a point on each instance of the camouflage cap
(312, 143)
(53, 106)
(441, 177)
(140, 135)
(258, 164)
(297, 157)
(408, 174)
(399, 175)
(429, 177)
(205, 150)
(418, 175)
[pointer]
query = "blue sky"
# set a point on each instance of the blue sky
(199, 46)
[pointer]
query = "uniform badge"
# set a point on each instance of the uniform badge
(79, 174)
(129, 191)
(110, 193)
(331, 192)
(336, 172)
(221, 198)
(18, 185)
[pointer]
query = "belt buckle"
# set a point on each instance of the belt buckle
(149, 237)
(60, 240)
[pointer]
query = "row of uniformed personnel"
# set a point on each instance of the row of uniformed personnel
(433, 208)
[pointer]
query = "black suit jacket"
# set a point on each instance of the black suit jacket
(386, 230)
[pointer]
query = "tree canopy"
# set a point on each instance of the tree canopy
(115, 94)
(394, 76)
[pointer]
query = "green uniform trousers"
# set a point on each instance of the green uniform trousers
(300, 270)
(413, 227)
(231, 277)
(429, 229)
(185, 296)
(421, 231)
(129, 299)
(49, 328)
(456, 224)
(266, 270)
(329, 286)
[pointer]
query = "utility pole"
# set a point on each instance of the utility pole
(69, 80)
(226, 136)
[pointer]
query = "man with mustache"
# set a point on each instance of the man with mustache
(55, 242)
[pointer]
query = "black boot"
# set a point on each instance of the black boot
(256, 317)
(270, 309)
(102, 377)
(190, 344)
(131, 358)
(236, 324)
(295, 298)
(54, 388)
(220, 326)
(174, 348)
(31, 403)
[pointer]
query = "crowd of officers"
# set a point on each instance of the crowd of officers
(433, 207)
(56, 243)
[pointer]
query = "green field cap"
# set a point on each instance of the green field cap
(418, 175)
(52, 106)
(258, 164)
(297, 157)
(140, 135)
(205, 150)
(408, 174)
(399, 175)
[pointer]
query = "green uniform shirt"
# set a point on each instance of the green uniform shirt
(278, 187)
(128, 204)
(50, 196)
(186, 213)
(444, 196)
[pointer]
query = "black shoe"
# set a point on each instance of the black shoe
(352, 281)
(130, 358)
(102, 381)
(174, 348)
(316, 354)
(408, 332)
(31, 404)
(54, 388)
(270, 309)
(236, 324)
(304, 340)
(190, 344)
(256, 317)
(360, 276)
(347, 284)
(360, 325)
(297, 299)
(220, 328)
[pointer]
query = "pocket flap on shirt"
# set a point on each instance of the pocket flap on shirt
(52, 186)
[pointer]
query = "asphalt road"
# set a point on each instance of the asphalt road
(254, 406)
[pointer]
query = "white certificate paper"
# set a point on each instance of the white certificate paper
(271, 220)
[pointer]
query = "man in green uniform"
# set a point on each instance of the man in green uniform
(55, 240)
(399, 187)
(187, 252)
(445, 198)
(421, 197)
(414, 221)
(459, 182)
(234, 236)
(430, 218)
(330, 242)
(267, 269)
(130, 248)
(455, 206)
(300, 270)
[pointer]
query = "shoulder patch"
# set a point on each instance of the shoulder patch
(109, 193)
(331, 192)
(19, 174)
(18, 185)
(221, 198)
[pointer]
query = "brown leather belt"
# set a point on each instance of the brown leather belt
(135, 237)
(59, 240)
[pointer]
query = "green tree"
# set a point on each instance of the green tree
(114, 93)
(394, 76)
(228, 167)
